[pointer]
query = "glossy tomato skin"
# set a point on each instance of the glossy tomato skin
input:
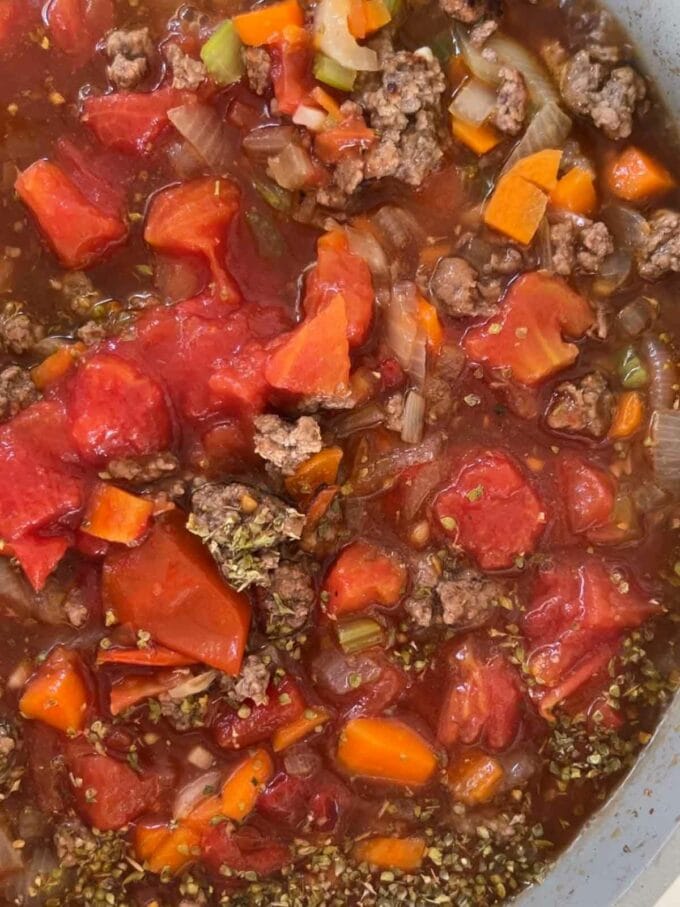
(337, 271)
(76, 25)
(285, 704)
(132, 122)
(243, 850)
(491, 510)
(588, 493)
(363, 575)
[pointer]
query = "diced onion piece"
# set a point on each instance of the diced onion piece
(613, 273)
(333, 38)
(513, 54)
(402, 322)
(221, 54)
(266, 141)
(628, 226)
(481, 67)
(195, 684)
(310, 117)
(192, 793)
(636, 316)
(474, 102)
(357, 635)
(544, 242)
(360, 420)
(364, 244)
(663, 374)
(413, 423)
(200, 757)
(291, 168)
(203, 129)
(665, 430)
(548, 129)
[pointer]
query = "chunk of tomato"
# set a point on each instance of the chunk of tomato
(364, 575)
(39, 555)
(337, 271)
(243, 850)
(171, 587)
(116, 410)
(285, 703)
(76, 25)
(526, 338)
(292, 70)
(588, 493)
(491, 510)
(78, 231)
(132, 122)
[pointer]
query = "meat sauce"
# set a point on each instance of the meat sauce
(338, 455)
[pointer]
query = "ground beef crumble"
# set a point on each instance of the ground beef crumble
(187, 73)
(258, 68)
(19, 333)
(512, 101)
(455, 289)
(469, 599)
(286, 444)
(469, 11)
(80, 293)
(17, 391)
(130, 53)
(285, 605)
(580, 246)
(584, 406)
(254, 679)
(143, 470)
(594, 85)
(440, 384)
(659, 252)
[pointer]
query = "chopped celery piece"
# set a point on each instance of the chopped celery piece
(276, 197)
(632, 372)
(393, 7)
(331, 73)
(221, 54)
(360, 634)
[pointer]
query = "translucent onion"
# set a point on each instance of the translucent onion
(476, 62)
(333, 38)
(613, 273)
(362, 419)
(636, 316)
(310, 117)
(627, 225)
(663, 374)
(474, 102)
(413, 420)
(301, 762)
(364, 244)
(200, 757)
(203, 129)
(401, 236)
(195, 791)
(665, 431)
(195, 684)
(548, 129)
(538, 81)
(544, 243)
(292, 168)
(266, 141)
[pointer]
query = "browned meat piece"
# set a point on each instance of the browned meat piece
(584, 406)
(468, 10)
(394, 412)
(594, 86)
(288, 601)
(659, 253)
(19, 333)
(580, 247)
(91, 332)
(17, 391)
(439, 390)
(80, 293)
(511, 105)
(345, 180)
(506, 262)
(402, 103)
(481, 33)
(454, 286)
(130, 53)
(286, 444)
(187, 73)
(144, 470)
(254, 679)
(258, 67)
(468, 600)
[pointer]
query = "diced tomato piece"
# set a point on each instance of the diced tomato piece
(348, 137)
(193, 219)
(109, 794)
(39, 555)
(526, 337)
(482, 698)
(99, 176)
(16, 17)
(116, 410)
(241, 382)
(295, 364)
(488, 495)
(79, 232)
(292, 71)
(364, 575)
(363, 683)
(171, 587)
(285, 703)
(243, 850)
(132, 122)
(337, 271)
(128, 691)
(76, 25)
(588, 493)
(578, 680)
(322, 799)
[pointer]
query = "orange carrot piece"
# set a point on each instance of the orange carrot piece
(376, 15)
(516, 208)
(540, 168)
(405, 854)
(56, 365)
(576, 192)
(165, 848)
(244, 785)
(333, 239)
(428, 320)
(297, 730)
(116, 515)
(202, 815)
(320, 469)
(332, 108)
(480, 139)
(387, 749)
(627, 419)
(474, 777)
(635, 176)
(356, 20)
(267, 24)
(57, 694)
